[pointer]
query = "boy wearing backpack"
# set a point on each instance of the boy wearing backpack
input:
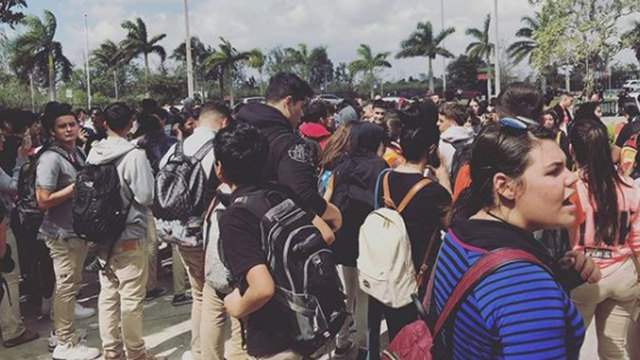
(239, 150)
(56, 172)
(213, 117)
(123, 283)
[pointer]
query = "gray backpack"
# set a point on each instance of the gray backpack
(217, 274)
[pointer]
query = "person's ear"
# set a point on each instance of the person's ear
(217, 167)
(505, 187)
(225, 122)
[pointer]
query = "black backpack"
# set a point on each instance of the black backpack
(182, 190)
(308, 290)
(26, 215)
(99, 213)
(461, 156)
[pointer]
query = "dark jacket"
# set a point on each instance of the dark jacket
(290, 160)
(354, 191)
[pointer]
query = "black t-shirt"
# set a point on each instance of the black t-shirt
(240, 237)
(424, 213)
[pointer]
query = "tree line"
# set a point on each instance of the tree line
(560, 34)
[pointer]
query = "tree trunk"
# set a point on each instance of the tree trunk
(146, 74)
(431, 84)
(489, 78)
(52, 78)
(372, 81)
(231, 96)
(221, 84)
(115, 82)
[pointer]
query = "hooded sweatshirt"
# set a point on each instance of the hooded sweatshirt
(136, 180)
(290, 159)
(451, 135)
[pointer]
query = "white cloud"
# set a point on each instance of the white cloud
(341, 25)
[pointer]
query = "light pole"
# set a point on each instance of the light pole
(444, 60)
(86, 52)
(497, 51)
(188, 51)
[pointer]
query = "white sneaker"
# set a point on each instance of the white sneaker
(79, 351)
(82, 312)
(187, 355)
(53, 341)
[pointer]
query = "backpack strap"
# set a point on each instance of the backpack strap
(179, 150)
(376, 195)
(65, 155)
(486, 265)
(386, 195)
(203, 151)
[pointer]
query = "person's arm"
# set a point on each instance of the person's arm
(3, 238)
(47, 173)
(47, 199)
(296, 171)
(259, 291)
(327, 234)
(332, 216)
(139, 177)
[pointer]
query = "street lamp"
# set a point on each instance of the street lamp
(188, 51)
(86, 58)
(444, 60)
(497, 51)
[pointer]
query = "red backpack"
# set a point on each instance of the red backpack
(414, 341)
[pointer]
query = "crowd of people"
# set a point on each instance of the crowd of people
(305, 224)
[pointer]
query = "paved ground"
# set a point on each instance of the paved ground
(167, 333)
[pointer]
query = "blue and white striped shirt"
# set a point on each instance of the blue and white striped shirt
(517, 312)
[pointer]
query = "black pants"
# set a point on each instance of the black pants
(396, 320)
(36, 267)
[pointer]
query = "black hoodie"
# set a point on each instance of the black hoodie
(290, 160)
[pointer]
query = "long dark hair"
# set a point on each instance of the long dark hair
(496, 149)
(592, 152)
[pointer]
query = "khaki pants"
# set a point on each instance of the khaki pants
(357, 305)
(68, 259)
(178, 272)
(614, 303)
(120, 303)
(152, 253)
(11, 325)
(194, 261)
(285, 355)
(212, 328)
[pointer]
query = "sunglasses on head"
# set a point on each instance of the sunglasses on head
(517, 123)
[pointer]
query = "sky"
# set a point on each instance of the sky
(340, 25)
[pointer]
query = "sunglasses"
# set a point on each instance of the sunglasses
(518, 123)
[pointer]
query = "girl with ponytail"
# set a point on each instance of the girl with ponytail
(609, 233)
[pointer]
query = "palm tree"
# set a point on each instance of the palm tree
(224, 63)
(199, 52)
(633, 38)
(36, 53)
(110, 56)
(482, 47)
(523, 48)
(423, 43)
(368, 63)
(299, 57)
(138, 43)
(257, 61)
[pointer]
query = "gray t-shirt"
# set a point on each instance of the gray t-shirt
(52, 174)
